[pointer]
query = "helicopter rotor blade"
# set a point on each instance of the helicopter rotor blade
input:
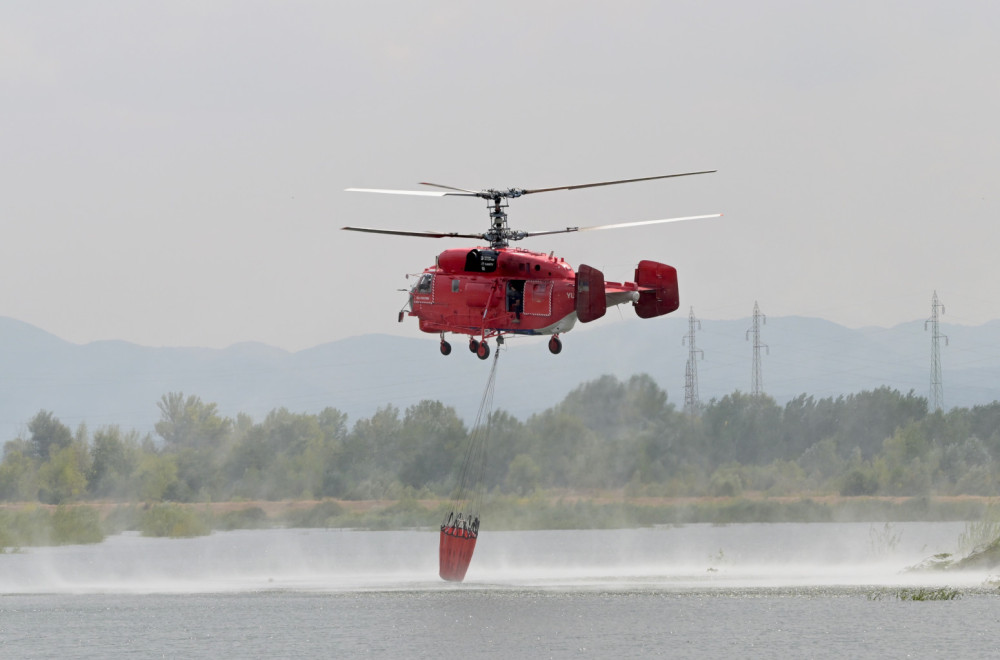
(621, 225)
(438, 185)
(419, 234)
(612, 183)
(422, 193)
(512, 192)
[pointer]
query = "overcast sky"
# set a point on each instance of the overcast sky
(173, 173)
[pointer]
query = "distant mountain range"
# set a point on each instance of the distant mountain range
(115, 382)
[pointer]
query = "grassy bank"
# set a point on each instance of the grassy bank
(34, 525)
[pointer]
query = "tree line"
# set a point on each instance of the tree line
(605, 434)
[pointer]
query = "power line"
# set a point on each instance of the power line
(692, 403)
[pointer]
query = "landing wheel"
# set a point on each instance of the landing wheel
(473, 345)
(445, 348)
(483, 351)
(555, 345)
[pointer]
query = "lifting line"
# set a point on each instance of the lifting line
(472, 481)
(460, 529)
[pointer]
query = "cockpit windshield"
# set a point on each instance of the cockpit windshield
(423, 285)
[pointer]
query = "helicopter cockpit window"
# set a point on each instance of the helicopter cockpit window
(481, 261)
(424, 283)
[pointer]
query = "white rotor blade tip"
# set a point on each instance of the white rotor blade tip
(422, 193)
(652, 222)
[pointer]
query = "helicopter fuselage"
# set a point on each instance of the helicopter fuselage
(485, 292)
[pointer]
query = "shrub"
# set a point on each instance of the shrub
(76, 524)
(250, 518)
(324, 514)
(173, 521)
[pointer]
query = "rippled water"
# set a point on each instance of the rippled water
(794, 590)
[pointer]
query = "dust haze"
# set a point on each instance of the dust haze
(687, 558)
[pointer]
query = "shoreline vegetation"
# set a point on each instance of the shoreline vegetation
(33, 524)
(613, 454)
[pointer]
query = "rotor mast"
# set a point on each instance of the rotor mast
(499, 233)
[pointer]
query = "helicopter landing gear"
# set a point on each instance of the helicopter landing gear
(555, 345)
(445, 348)
(473, 345)
(483, 350)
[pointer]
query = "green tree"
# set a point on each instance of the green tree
(523, 475)
(598, 436)
(821, 461)
(431, 444)
(371, 453)
(743, 428)
(867, 418)
(561, 446)
(48, 435)
(964, 468)
(329, 453)
(63, 478)
(806, 422)
(18, 473)
(296, 464)
(156, 477)
(650, 443)
(984, 423)
(190, 422)
(860, 480)
(247, 464)
(506, 440)
(115, 458)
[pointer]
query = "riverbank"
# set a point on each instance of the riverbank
(35, 524)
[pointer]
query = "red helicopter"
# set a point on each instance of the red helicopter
(494, 291)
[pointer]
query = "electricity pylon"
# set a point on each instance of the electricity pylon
(759, 319)
(692, 404)
(937, 384)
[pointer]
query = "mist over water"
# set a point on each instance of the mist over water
(696, 591)
(665, 558)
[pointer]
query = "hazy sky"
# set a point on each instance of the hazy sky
(173, 173)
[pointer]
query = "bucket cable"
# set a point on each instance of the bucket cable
(472, 476)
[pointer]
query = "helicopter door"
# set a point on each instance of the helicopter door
(515, 297)
(538, 298)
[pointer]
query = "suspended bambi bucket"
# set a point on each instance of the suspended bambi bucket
(460, 529)
(458, 541)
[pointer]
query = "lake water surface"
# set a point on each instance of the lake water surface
(788, 590)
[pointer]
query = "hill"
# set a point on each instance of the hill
(114, 382)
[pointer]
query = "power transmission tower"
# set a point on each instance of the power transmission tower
(937, 384)
(692, 404)
(757, 388)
